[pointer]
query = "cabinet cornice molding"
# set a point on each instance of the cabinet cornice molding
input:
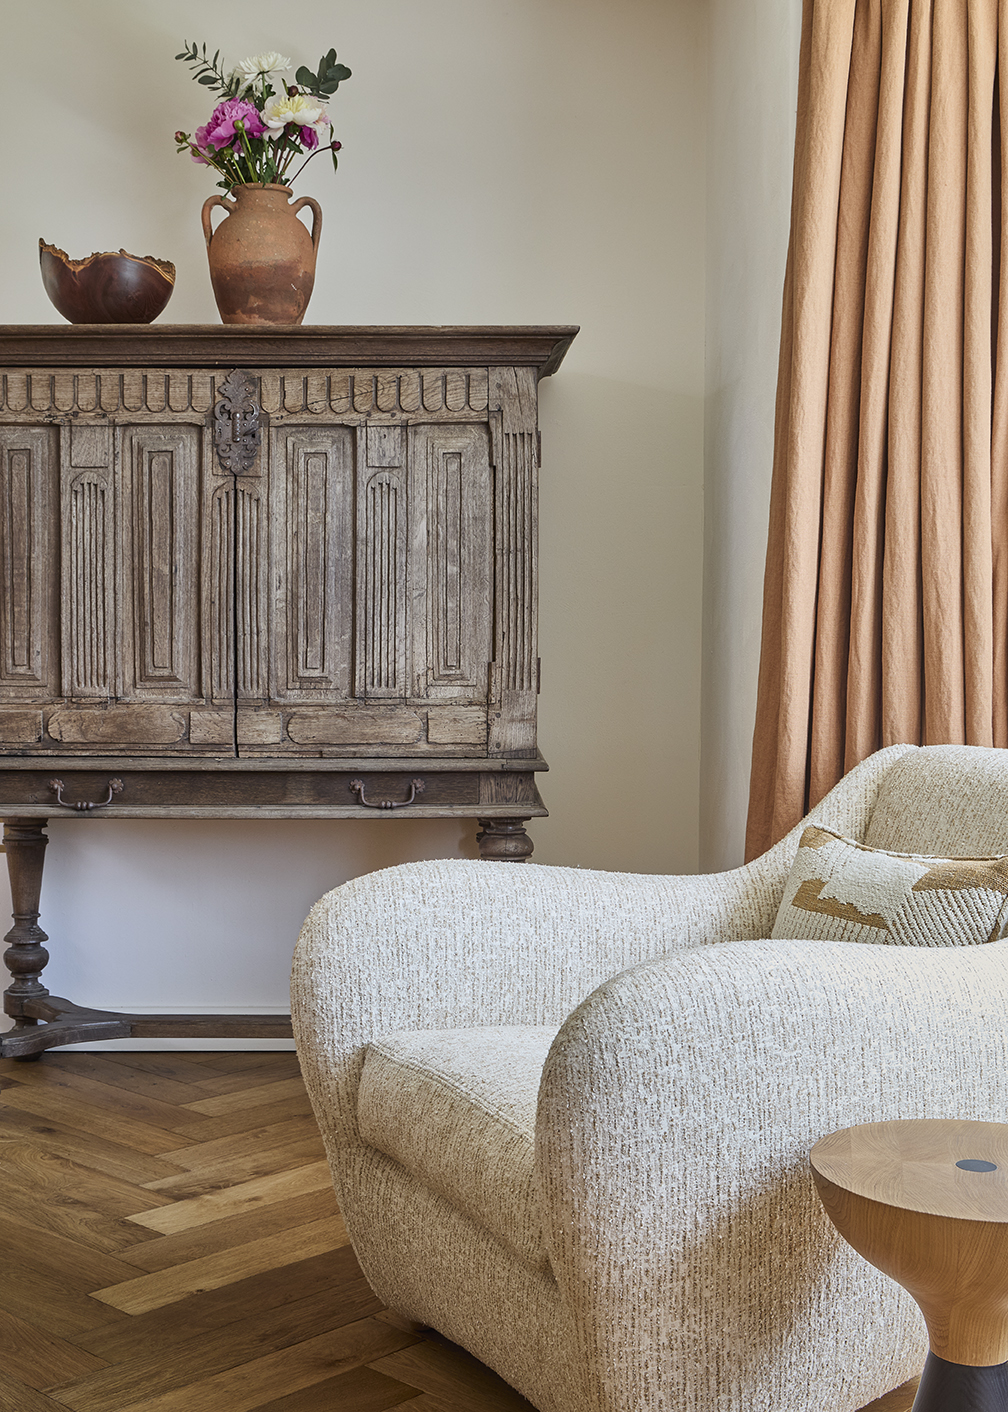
(321, 345)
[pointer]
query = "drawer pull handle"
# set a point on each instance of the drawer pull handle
(85, 805)
(416, 787)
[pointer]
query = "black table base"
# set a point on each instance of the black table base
(954, 1387)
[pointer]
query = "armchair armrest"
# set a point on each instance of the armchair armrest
(456, 943)
(677, 1110)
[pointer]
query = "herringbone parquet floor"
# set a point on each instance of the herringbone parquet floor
(169, 1241)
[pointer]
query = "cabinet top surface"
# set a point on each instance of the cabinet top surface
(320, 345)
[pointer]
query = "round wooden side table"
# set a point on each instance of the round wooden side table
(926, 1201)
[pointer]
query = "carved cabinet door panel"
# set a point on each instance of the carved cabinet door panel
(381, 600)
(131, 522)
(295, 587)
(451, 579)
(29, 586)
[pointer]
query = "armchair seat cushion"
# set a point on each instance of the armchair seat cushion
(457, 1110)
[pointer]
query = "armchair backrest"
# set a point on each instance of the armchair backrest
(943, 800)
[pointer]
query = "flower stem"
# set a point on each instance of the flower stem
(304, 164)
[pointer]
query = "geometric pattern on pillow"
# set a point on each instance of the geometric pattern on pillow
(841, 890)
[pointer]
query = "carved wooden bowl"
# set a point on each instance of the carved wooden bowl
(109, 288)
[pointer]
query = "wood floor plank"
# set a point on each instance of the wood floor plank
(17, 1396)
(159, 1252)
(70, 1112)
(131, 1077)
(150, 1372)
(238, 1120)
(45, 1173)
(251, 1384)
(146, 1292)
(126, 1103)
(53, 1209)
(425, 1403)
(228, 1170)
(238, 1060)
(236, 1200)
(245, 1078)
(101, 1155)
(44, 1300)
(186, 1067)
(261, 1096)
(41, 1359)
(334, 1278)
(258, 1137)
(901, 1399)
(448, 1372)
(78, 1266)
(360, 1390)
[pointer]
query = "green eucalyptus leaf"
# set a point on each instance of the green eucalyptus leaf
(207, 80)
(304, 77)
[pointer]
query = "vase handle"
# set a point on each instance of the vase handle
(208, 206)
(316, 219)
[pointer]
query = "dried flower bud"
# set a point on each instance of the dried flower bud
(335, 146)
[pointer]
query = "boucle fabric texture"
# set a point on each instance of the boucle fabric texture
(841, 890)
(457, 1108)
(437, 1266)
(680, 1216)
(693, 1268)
(949, 801)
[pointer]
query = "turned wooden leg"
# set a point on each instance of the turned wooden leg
(504, 840)
(25, 957)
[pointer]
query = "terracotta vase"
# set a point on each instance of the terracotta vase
(262, 259)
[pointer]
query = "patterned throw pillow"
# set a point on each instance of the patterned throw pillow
(840, 890)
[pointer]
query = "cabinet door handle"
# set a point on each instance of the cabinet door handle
(357, 787)
(84, 805)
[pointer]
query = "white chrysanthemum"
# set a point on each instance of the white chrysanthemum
(297, 108)
(271, 63)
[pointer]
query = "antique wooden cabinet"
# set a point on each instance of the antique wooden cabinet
(262, 573)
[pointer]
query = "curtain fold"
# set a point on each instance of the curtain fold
(885, 605)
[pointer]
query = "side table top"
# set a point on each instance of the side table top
(948, 1167)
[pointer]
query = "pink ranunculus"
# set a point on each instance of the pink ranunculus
(220, 132)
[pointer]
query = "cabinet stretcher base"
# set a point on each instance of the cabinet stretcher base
(502, 797)
(49, 1021)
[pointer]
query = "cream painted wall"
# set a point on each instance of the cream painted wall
(751, 97)
(525, 161)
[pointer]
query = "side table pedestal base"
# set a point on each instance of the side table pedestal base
(954, 1387)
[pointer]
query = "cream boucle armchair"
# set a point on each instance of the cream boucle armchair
(568, 1114)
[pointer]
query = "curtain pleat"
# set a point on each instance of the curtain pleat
(999, 422)
(885, 608)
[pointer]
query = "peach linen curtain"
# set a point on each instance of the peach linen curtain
(885, 605)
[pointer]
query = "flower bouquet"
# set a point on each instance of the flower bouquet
(258, 130)
(262, 259)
